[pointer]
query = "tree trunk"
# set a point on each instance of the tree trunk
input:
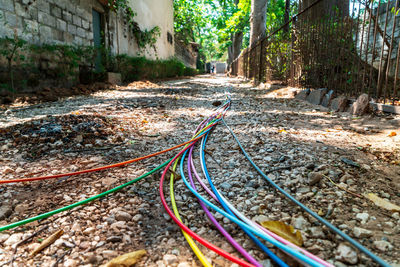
(235, 48)
(286, 15)
(257, 20)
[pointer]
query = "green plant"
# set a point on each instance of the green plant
(12, 49)
(143, 38)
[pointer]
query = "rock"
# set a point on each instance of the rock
(13, 239)
(314, 178)
(317, 232)
(137, 217)
(7, 170)
(361, 106)
(217, 103)
(361, 232)
(302, 95)
(346, 254)
(5, 211)
(109, 253)
(89, 231)
(114, 239)
(225, 186)
(84, 245)
(122, 216)
(315, 96)
(21, 208)
(71, 263)
(350, 162)
(363, 217)
(327, 98)
(3, 237)
(383, 245)
(339, 104)
(170, 259)
(184, 264)
(300, 223)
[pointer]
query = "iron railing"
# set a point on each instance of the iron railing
(351, 51)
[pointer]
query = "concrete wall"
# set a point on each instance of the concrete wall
(70, 22)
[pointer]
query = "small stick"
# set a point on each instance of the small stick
(344, 189)
(48, 241)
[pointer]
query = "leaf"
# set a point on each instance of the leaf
(282, 131)
(47, 242)
(380, 202)
(285, 231)
(126, 260)
(392, 134)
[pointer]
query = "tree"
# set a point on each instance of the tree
(257, 20)
(236, 45)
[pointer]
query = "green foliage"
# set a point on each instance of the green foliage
(143, 38)
(139, 68)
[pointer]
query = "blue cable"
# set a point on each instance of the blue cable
(315, 215)
(222, 202)
(259, 233)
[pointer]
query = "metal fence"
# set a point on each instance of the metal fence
(351, 51)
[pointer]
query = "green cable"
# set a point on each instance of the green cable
(76, 204)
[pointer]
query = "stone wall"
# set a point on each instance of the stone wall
(70, 22)
(49, 21)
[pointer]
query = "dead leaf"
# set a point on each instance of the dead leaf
(48, 241)
(285, 231)
(282, 131)
(126, 260)
(392, 134)
(380, 202)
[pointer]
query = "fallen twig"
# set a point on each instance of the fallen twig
(344, 189)
(284, 168)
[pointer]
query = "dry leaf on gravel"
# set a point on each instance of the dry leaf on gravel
(380, 202)
(48, 241)
(126, 260)
(285, 231)
(392, 134)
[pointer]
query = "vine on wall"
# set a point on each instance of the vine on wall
(143, 38)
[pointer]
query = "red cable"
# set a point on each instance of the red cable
(99, 168)
(204, 242)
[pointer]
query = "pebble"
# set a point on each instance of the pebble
(170, 259)
(137, 217)
(3, 237)
(363, 217)
(7, 170)
(314, 178)
(5, 211)
(361, 232)
(13, 239)
(346, 254)
(383, 245)
(300, 223)
(89, 231)
(122, 216)
(70, 263)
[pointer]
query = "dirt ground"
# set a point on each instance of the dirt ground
(294, 141)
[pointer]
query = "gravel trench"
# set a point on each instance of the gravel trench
(296, 143)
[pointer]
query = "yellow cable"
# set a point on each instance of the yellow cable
(190, 241)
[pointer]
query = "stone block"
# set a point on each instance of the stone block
(315, 96)
(7, 5)
(303, 94)
(78, 40)
(57, 35)
(55, 11)
(339, 104)
(11, 19)
(77, 20)
(68, 38)
(89, 35)
(81, 32)
(327, 98)
(61, 25)
(72, 29)
(45, 34)
(114, 78)
(32, 26)
(21, 11)
(46, 18)
(67, 16)
(43, 5)
(386, 108)
(361, 106)
(85, 24)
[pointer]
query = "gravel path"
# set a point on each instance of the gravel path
(299, 144)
